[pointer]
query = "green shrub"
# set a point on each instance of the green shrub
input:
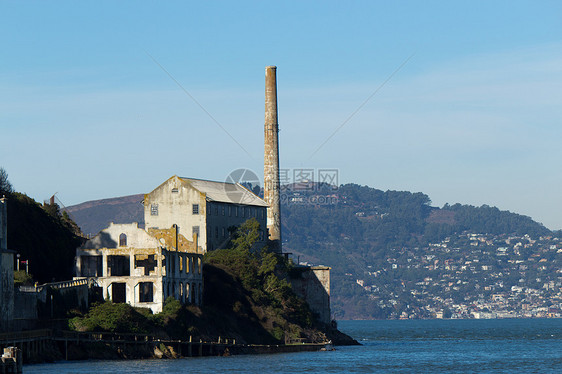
(112, 317)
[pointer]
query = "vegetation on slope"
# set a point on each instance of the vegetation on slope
(40, 234)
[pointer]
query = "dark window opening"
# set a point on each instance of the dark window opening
(154, 209)
(122, 240)
(118, 266)
(91, 266)
(195, 209)
(146, 292)
(118, 292)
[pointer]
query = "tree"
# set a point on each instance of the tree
(5, 185)
(247, 235)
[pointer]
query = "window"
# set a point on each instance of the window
(223, 210)
(154, 209)
(122, 240)
(229, 211)
(243, 212)
(209, 209)
(118, 266)
(148, 262)
(195, 230)
(216, 232)
(146, 292)
(223, 232)
(195, 209)
(90, 266)
(236, 211)
(175, 190)
(119, 292)
(216, 210)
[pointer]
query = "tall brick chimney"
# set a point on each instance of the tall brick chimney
(271, 182)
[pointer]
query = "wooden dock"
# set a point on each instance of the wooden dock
(11, 361)
(64, 345)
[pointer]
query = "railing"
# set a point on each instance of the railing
(24, 335)
(128, 337)
(55, 285)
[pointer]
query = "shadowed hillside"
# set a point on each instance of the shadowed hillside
(43, 236)
(94, 216)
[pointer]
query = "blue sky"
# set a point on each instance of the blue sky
(472, 117)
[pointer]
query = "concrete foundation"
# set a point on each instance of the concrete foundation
(313, 285)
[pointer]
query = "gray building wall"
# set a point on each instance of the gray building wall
(6, 272)
(313, 285)
(3, 223)
(223, 216)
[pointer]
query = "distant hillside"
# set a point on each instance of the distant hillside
(351, 229)
(94, 216)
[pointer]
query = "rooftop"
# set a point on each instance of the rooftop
(224, 192)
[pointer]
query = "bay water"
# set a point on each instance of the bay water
(410, 346)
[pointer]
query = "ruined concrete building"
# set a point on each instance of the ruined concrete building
(203, 210)
(184, 218)
(142, 268)
(6, 271)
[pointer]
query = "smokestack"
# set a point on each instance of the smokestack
(272, 186)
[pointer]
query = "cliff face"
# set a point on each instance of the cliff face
(232, 310)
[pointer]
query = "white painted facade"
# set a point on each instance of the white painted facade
(211, 209)
(6, 271)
